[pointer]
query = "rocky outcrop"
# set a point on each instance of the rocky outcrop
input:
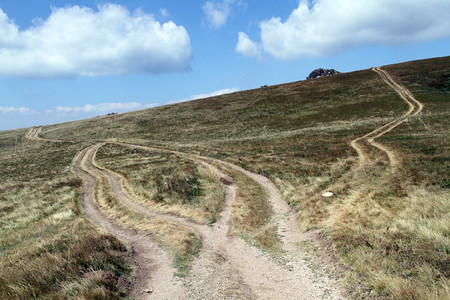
(321, 73)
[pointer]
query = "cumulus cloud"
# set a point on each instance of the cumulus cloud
(80, 41)
(17, 110)
(217, 12)
(247, 47)
(325, 27)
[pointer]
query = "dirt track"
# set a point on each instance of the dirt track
(414, 107)
(154, 264)
(227, 267)
(33, 134)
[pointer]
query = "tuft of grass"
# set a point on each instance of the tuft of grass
(251, 216)
(166, 182)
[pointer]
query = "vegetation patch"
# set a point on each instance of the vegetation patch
(47, 247)
(166, 182)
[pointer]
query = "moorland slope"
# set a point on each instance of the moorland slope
(224, 197)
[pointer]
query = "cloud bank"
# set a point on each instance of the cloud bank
(80, 41)
(326, 27)
(102, 108)
(17, 110)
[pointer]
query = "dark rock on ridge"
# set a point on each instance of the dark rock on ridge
(321, 73)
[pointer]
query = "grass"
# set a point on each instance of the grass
(166, 182)
(251, 215)
(388, 227)
(47, 247)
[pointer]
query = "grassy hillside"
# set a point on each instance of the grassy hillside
(389, 227)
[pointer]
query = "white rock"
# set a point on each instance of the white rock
(327, 194)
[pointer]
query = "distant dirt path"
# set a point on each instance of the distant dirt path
(415, 107)
(33, 134)
(155, 273)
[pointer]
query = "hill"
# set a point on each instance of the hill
(376, 139)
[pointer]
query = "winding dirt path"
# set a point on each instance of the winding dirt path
(33, 134)
(228, 267)
(155, 273)
(154, 278)
(414, 107)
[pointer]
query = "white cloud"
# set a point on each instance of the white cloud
(215, 93)
(207, 95)
(101, 108)
(17, 117)
(217, 12)
(164, 12)
(78, 40)
(329, 26)
(247, 47)
(17, 110)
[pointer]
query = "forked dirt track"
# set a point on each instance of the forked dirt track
(414, 107)
(227, 267)
(33, 134)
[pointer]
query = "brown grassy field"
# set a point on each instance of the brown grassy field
(388, 227)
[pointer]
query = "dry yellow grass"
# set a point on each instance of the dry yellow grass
(47, 248)
(139, 174)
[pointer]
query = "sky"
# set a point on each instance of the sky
(63, 60)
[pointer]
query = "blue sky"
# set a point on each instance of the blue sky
(64, 60)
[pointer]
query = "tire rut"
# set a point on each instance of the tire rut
(414, 108)
(212, 276)
(155, 273)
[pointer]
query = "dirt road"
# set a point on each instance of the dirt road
(414, 107)
(227, 266)
(155, 273)
(33, 134)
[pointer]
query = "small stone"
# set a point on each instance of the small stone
(327, 194)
